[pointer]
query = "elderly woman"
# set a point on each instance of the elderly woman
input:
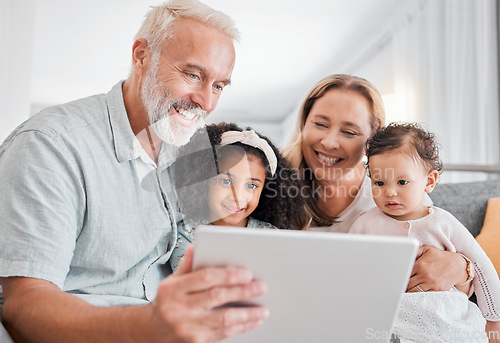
(328, 147)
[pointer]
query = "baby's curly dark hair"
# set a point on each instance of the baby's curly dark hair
(198, 162)
(422, 144)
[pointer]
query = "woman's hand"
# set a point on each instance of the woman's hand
(493, 331)
(438, 270)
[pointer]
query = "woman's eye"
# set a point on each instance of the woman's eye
(378, 183)
(320, 124)
(403, 182)
(349, 133)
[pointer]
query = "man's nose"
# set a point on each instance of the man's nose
(205, 97)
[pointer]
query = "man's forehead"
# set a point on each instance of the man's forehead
(189, 30)
(194, 44)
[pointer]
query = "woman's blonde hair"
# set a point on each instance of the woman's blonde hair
(293, 150)
(157, 27)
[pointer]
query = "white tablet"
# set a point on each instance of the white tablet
(322, 287)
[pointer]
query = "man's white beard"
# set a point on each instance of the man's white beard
(158, 103)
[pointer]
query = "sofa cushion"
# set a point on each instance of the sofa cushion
(489, 238)
(466, 201)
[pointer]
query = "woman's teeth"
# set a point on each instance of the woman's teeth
(329, 160)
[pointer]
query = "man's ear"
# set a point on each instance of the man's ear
(141, 56)
(432, 179)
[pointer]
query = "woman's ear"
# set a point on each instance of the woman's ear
(432, 179)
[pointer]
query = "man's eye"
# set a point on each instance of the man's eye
(193, 76)
(378, 183)
(403, 182)
(218, 88)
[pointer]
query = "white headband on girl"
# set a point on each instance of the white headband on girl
(251, 138)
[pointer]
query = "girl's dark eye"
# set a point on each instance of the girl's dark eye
(403, 182)
(378, 183)
(226, 181)
(251, 185)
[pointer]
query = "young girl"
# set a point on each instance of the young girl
(233, 177)
(403, 163)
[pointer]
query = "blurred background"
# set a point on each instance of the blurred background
(435, 62)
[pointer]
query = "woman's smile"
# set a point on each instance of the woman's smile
(327, 160)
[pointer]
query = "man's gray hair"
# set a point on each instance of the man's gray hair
(157, 27)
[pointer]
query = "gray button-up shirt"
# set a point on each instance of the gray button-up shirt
(81, 207)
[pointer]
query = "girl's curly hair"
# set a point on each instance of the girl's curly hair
(280, 203)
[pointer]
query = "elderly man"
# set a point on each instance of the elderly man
(84, 240)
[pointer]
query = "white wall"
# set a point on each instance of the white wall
(16, 37)
(379, 68)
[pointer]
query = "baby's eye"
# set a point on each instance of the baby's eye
(403, 182)
(378, 183)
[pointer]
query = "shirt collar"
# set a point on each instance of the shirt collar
(123, 137)
(127, 146)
